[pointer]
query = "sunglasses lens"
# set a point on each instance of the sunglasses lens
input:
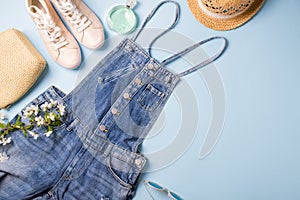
(155, 185)
(176, 196)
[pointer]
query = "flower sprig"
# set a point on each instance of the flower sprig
(45, 116)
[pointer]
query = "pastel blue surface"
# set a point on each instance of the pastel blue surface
(257, 155)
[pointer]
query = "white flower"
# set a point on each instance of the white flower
(50, 105)
(28, 109)
(44, 106)
(47, 134)
(4, 141)
(54, 103)
(61, 109)
(51, 117)
(28, 112)
(35, 109)
(33, 134)
(39, 120)
(2, 117)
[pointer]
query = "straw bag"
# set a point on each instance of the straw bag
(20, 66)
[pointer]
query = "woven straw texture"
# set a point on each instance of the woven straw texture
(224, 14)
(20, 66)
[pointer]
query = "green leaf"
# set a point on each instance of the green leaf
(2, 125)
(32, 120)
(29, 127)
(19, 118)
(57, 116)
(19, 123)
(13, 127)
(24, 133)
(56, 123)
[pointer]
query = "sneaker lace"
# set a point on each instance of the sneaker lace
(52, 32)
(73, 15)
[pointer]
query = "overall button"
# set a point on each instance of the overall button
(100, 80)
(129, 48)
(151, 66)
(138, 81)
(114, 111)
(168, 79)
(103, 128)
(138, 162)
(126, 95)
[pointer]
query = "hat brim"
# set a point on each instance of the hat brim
(223, 24)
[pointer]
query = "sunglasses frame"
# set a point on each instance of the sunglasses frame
(163, 189)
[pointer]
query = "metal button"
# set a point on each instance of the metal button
(129, 48)
(102, 128)
(138, 161)
(150, 66)
(114, 111)
(167, 79)
(126, 95)
(138, 81)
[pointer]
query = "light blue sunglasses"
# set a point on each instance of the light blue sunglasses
(160, 188)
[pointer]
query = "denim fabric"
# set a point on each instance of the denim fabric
(94, 154)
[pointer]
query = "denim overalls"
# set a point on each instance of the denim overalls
(94, 154)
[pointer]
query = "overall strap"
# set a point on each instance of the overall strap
(191, 48)
(150, 16)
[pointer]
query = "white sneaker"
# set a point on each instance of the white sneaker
(84, 24)
(59, 42)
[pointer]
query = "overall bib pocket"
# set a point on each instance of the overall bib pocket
(119, 72)
(150, 98)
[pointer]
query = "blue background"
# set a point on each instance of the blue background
(257, 156)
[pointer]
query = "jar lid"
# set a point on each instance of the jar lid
(122, 19)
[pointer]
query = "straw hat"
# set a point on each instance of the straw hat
(224, 14)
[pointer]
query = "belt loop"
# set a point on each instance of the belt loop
(106, 148)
